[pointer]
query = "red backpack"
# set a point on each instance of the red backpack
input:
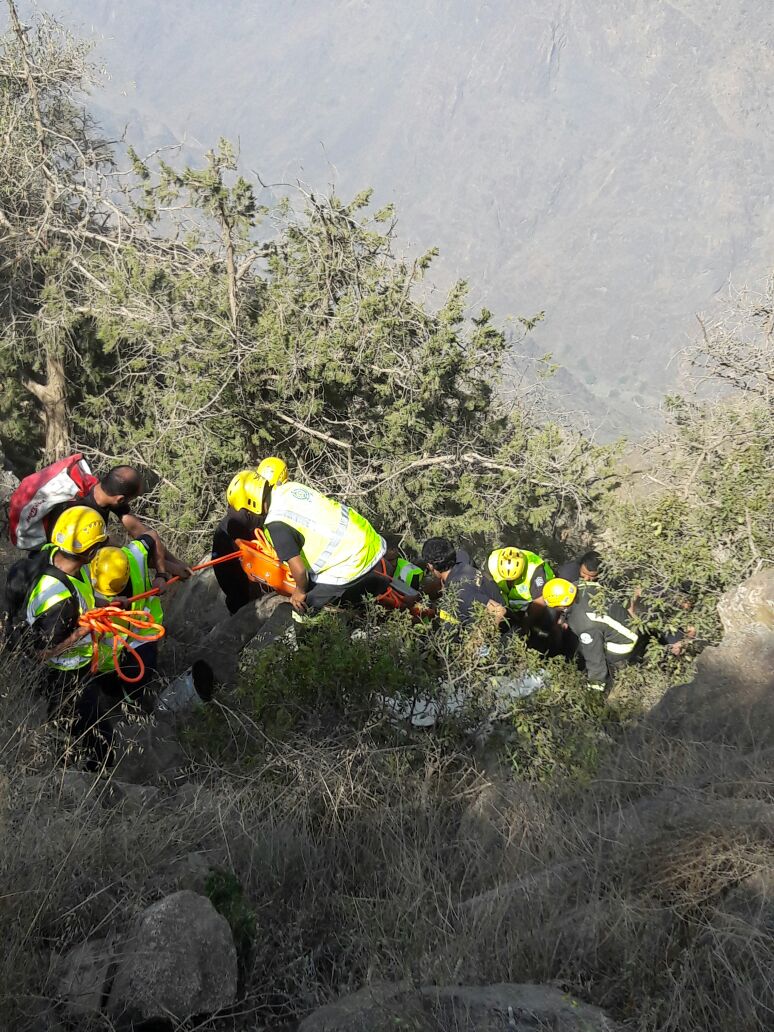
(37, 495)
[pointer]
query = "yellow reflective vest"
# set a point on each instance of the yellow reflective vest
(340, 545)
(46, 593)
(518, 595)
(140, 581)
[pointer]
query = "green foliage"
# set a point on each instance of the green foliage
(708, 524)
(562, 731)
(226, 894)
(334, 670)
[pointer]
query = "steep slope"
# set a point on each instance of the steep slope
(609, 163)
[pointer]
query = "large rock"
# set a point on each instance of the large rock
(202, 628)
(750, 606)
(489, 1008)
(194, 607)
(147, 751)
(732, 695)
(179, 960)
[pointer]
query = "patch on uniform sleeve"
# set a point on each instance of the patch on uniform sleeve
(586, 638)
(540, 581)
(301, 493)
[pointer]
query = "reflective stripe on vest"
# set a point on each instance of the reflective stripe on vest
(408, 572)
(139, 575)
(47, 593)
(139, 582)
(519, 595)
(339, 544)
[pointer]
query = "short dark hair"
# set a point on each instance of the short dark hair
(591, 561)
(122, 480)
(440, 553)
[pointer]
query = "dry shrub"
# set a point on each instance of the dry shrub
(639, 891)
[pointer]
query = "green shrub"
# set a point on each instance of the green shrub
(338, 666)
(225, 892)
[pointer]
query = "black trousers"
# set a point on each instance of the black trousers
(373, 582)
(75, 695)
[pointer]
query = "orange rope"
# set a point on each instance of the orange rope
(194, 569)
(124, 624)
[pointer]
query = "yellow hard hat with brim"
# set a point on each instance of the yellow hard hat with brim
(109, 570)
(559, 593)
(247, 491)
(78, 530)
(273, 470)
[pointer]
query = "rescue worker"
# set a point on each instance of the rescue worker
(55, 602)
(411, 574)
(332, 552)
(520, 577)
(241, 523)
(602, 627)
(468, 585)
(587, 568)
(273, 470)
(116, 573)
(113, 495)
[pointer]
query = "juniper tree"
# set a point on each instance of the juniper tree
(51, 162)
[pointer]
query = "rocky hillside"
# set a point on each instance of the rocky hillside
(609, 163)
(326, 883)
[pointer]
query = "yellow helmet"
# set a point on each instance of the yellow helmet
(109, 571)
(78, 530)
(559, 593)
(273, 470)
(246, 491)
(507, 564)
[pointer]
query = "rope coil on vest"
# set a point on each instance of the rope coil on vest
(122, 624)
(135, 624)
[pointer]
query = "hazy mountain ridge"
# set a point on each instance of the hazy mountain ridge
(607, 163)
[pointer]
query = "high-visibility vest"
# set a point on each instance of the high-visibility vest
(47, 592)
(517, 595)
(409, 573)
(339, 544)
(140, 581)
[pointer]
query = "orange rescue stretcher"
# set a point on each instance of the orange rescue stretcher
(262, 565)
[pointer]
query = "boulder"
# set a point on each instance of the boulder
(194, 607)
(379, 1006)
(218, 637)
(489, 1008)
(522, 1008)
(731, 697)
(178, 960)
(749, 606)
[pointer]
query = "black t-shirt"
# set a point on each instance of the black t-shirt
(119, 511)
(234, 525)
(287, 541)
(468, 586)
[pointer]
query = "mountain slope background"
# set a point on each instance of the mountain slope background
(608, 163)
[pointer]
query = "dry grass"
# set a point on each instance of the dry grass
(644, 892)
